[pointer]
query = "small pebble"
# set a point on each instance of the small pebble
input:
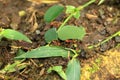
(14, 26)
(103, 16)
(117, 39)
(105, 23)
(110, 9)
(103, 32)
(104, 47)
(83, 53)
(37, 31)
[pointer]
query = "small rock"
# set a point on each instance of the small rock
(103, 16)
(117, 39)
(104, 32)
(14, 26)
(84, 54)
(37, 31)
(110, 9)
(104, 47)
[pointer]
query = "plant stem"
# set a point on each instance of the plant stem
(66, 20)
(85, 5)
(78, 8)
(110, 37)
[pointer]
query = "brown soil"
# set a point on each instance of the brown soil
(99, 22)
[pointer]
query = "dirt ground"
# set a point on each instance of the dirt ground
(99, 22)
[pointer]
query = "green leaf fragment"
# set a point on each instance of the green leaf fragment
(100, 2)
(20, 52)
(73, 10)
(44, 52)
(73, 70)
(70, 9)
(59, 70)
(71, 32)
(53, 12)
(17, 65)
(76, 14)
(14, 35)
(51, 35)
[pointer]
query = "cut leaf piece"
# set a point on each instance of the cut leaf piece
(45, 51)
(71, 32)
(51, 35)
(53, 12)
(73, 70)
(14, 35)
(59, 70)
(70, 9)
